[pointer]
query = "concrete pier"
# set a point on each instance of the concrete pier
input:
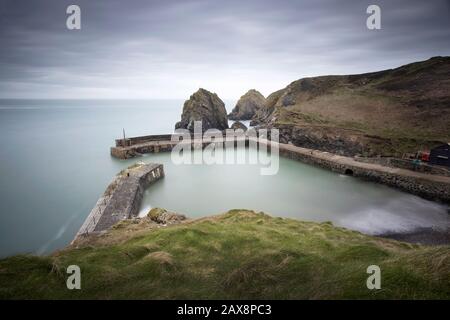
(132, 147)
(122, 198)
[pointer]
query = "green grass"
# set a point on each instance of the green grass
(401, 107)
(237, 255)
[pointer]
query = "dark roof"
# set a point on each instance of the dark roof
(442, 147)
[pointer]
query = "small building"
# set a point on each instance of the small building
(440, 155)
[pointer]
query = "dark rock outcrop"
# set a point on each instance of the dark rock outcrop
(206, 107)
(247, 106)
(332, 140)
(238, 125)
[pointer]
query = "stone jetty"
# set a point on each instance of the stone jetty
(122, 198)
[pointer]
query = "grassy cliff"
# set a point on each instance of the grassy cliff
(387, 112)
(236, 255)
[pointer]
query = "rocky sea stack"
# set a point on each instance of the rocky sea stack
(247, 106)
(206, 107)
(238, 125)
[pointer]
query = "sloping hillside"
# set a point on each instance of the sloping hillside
(237, 255)
(387, 112)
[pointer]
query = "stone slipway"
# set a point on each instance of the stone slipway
(122, 198)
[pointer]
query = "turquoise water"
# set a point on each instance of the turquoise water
(55, 163)
(297, 191)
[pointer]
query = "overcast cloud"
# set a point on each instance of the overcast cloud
(168, 49)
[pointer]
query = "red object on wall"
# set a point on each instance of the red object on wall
(425, 156)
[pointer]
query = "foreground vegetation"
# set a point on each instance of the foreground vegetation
(240, 254)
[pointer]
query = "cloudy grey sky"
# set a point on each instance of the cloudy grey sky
(168, 49)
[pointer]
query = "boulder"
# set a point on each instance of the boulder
(162, 216)
(238, 125)
(247, 106)
(206, 107)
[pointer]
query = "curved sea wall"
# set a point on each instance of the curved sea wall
(430, 186)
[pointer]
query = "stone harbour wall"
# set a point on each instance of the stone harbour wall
(122, 198)
(430, 186)
(427, 186)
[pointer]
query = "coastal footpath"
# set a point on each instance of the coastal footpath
(429, 186)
